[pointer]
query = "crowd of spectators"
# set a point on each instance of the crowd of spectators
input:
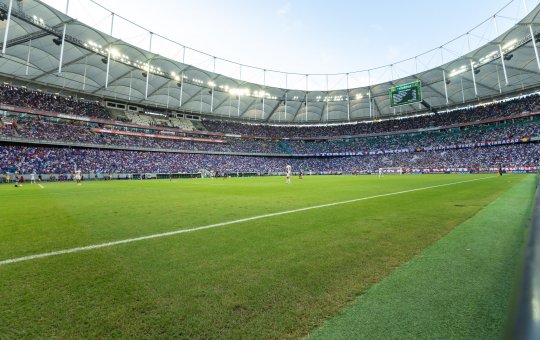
(36, 128)
(412, 142)
(496, 110)
(35, 99)
(198, 155)
(67, 131)
(46, 160)
(23, 97)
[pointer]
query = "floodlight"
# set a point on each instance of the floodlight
(57, 41)
(114, 52)
(509, 44)
(457, 71)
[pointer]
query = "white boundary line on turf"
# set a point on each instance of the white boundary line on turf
(216, 225)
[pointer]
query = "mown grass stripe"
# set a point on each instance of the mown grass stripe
(458, 288)
(216, 225)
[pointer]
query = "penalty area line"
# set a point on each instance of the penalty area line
(222, 224)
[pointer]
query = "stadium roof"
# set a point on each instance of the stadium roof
(91, 62)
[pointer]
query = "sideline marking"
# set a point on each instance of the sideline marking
(216, 225)
(41, 186)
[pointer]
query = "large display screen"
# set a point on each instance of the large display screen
(405, 94)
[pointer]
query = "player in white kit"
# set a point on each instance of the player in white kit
(33, 178)
(288, 170)
(78, 176)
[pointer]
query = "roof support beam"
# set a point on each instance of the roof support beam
(6, 32)
(273, 111)
(326, 108)
(249, 106)
(25, 38)
(376, 106)
(487, 87)
(67, 64)
(190, 98)
(297, 112)
(227, 99)
(113, 81)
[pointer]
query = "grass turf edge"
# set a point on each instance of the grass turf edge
(460, 287)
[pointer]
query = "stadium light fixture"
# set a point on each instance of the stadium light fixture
(510, 44)
(488, 57)
(114, 53)
(457, 71)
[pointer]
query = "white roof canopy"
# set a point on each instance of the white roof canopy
(96, 63)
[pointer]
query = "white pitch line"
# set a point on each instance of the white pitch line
(216, 225)
(41, 186)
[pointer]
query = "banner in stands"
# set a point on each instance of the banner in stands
(512, 169)
(420, 149)
(474, 145)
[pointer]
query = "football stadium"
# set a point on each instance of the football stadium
(152, 190)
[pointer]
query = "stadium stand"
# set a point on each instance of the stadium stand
(140, 119)
(473, 139)
(182, 124)
(36, 99)
(51, 160)
(467, 115)
(36, 128)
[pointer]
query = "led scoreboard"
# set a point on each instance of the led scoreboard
(405, 94)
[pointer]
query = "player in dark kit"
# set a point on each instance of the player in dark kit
(500, 170)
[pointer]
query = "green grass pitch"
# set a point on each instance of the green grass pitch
(274, 277)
